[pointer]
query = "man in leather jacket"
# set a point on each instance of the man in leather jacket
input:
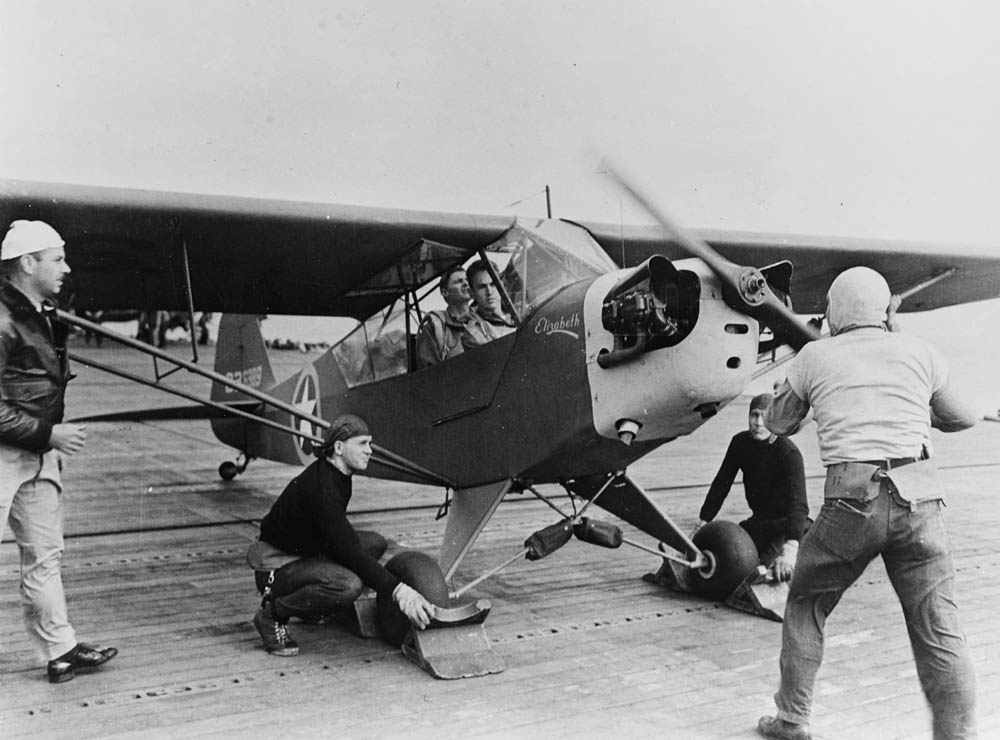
(33, 375)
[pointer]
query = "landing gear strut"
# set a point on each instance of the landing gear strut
(230, 469)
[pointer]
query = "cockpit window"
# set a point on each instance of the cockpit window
(535, 260)
(417, 267)
(545, 257)
(376, 349)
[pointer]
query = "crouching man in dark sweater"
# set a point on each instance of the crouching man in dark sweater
(775, 485)
(309, 560)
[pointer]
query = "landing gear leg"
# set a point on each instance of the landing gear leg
(229, 469)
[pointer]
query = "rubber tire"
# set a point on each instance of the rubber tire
(735, 557)
(419, 571)
(228, 470)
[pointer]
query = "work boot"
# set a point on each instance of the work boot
(780, 729)
(275, 635)
(81, 657)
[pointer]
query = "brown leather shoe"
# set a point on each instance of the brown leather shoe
(779, 729)
(81, 657)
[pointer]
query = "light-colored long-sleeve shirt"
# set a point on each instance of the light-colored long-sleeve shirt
(874, 395)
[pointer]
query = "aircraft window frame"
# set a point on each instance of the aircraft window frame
(494, 273)
(358, 353)
(375, 349)
(521, 281)
(418, 266)
(535, 263)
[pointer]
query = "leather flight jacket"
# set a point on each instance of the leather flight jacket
(34, 371)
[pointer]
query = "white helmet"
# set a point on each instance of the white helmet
(858, 297)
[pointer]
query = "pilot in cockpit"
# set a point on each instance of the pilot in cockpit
(444, 334)
(486, 299)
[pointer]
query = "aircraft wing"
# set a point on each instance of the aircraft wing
(133, 248)
(136, 249)
(818, 260)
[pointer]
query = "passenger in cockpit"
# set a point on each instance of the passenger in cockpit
(444, 334)
(486, 301)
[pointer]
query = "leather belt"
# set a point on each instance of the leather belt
(896, 462)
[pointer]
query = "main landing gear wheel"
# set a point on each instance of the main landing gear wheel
(731, 556)
(420, 572)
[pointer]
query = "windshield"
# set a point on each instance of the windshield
(544, 257)
(534, 260)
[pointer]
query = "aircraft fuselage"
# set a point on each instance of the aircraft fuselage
(537, 404)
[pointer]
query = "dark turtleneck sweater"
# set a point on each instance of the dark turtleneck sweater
(309, 519)
(773, 478)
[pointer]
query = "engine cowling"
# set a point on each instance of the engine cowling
(653, 306)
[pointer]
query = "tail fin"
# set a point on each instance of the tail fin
(241, 356)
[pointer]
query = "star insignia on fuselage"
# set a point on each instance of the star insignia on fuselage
(306, 400)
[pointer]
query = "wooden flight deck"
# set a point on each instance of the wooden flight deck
(154, 564)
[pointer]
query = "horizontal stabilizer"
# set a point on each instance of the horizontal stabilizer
(173, 413)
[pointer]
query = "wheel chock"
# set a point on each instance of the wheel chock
(758, 594)
(361, 618)
(673, 576)
(455, 644)
(761, 595)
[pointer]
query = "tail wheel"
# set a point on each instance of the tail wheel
(422, 573)
(731, 557)
(229, 469)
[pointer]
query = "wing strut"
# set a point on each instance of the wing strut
(190, 298)
(180, 364)
(384, 456)
(927, 283)
(225, 409)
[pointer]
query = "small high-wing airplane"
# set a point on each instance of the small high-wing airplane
(626, 338)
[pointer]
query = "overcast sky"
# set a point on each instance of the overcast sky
(853, 118)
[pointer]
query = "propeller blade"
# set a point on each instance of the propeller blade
(748, 290)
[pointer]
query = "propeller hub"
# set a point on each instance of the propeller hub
(753, 286)
(744, 288)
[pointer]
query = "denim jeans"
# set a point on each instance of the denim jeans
(31, 501)
(314, 587)
(916, 551)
